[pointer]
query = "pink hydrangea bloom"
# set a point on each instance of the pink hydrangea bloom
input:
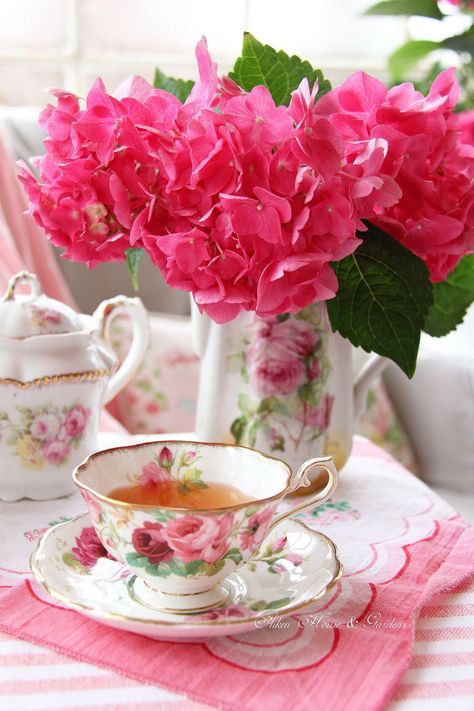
(408, 169)
(247, 206)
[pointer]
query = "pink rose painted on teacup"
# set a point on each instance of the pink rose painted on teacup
(76, 420)
(56, 451)
(45, 426)
(256, 529)
(88, 548)
(152, 474)
(199, 537)
(150, 542)
(95, 509)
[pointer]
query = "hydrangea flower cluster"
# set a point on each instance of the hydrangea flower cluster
(422, 161)
(245, 203)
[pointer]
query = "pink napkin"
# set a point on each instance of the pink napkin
(400, 546)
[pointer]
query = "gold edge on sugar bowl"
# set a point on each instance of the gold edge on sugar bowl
(88, 375)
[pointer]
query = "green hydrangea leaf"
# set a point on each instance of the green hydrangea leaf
(281, 74)
(408, 55)
(383, 298)
(179, 87)
(452, 298)
(422, 8)
(134, 256)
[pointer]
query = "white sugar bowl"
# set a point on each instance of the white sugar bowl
(57, 371)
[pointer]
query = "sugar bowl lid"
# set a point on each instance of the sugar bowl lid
(26, 313)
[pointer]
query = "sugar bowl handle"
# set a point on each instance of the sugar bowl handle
(105, 314)
(301, 478)
(23, 277)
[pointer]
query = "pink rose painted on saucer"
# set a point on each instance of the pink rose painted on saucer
(88, 548)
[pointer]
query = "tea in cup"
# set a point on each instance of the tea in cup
(184, 515)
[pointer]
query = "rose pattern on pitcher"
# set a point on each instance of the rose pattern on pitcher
(284, 368)
(44, 435)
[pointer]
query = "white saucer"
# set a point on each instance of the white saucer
(277, 582)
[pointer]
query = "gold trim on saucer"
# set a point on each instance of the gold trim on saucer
(88, 375)
(166, 623)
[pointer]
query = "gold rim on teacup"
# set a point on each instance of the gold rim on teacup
(163, 443)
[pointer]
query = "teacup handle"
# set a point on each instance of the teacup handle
(301, 478)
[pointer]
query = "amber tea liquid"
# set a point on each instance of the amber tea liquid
(172, 493)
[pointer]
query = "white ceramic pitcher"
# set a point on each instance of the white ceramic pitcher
(283, 385)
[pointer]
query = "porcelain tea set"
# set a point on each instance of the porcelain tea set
(161, 571)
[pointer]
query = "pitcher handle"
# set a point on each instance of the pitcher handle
(373, 367)
(105, 314)
(301, 478)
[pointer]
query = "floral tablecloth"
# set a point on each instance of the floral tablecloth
(39, 677)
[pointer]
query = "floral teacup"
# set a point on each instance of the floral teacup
(181, 556)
